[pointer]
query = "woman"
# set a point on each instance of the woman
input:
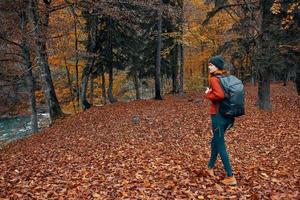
(219, 123)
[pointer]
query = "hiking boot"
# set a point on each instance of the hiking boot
(229, 181)
(210, 171)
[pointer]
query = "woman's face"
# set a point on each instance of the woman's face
(212, 68)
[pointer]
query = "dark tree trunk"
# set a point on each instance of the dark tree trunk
(110, 65)
(253, 74)
(110, 86)
(71, 6)
(42, 57)
(85, 78)
(175, 84)
(181, 92)
(264, 89)
(265, 46)
(30, 86)
(285, 76)
(91, 48)
(76, 62)
(103, 86)
(137, 85)
(297, 82)
(70, 84)
(158, 57)
(28, 72)
(92, 90)
(180, 49)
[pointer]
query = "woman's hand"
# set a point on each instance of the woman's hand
(207, 90)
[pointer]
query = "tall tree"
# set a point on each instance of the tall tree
(19, 39)
(158, 54)
(180, 49)
(110, 62)
(23, 15)
(91, 29)
(40, 30)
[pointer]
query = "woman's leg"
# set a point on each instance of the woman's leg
(222, 147)
(213, 153)
(213, 143)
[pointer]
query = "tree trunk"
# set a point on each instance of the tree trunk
(110, 67)
(42, 57)
(181, 29)
(28, 73)
(70, 85)
(92, 90)
(181, 92)
(76, 62)
(158, 56)
(285, 76)
(137, 85)
(297, 82)
(30, 86)
(85, 78)
(264, 89)
(175, 85)
(103, 86)
(253, 75)
(110, 86)
(91, 48)
(265, 46)
(76, 53)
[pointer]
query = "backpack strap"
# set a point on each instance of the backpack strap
(219, 77)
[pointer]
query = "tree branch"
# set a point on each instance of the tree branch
(58, 7)
(9, 60)
(10, 42)
(212, 13)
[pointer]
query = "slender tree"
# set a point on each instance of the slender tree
(28, 68)
(158, 54)
(40, 30)
(91, 28)
(19, 40)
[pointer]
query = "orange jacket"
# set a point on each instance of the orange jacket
(215, 95)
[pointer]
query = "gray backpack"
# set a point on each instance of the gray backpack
(234, 103)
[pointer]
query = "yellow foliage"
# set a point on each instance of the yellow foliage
(202, 41)
(288, 20)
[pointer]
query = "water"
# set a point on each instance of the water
(19, 127)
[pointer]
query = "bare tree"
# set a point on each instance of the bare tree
(158, 54)
(40, 31)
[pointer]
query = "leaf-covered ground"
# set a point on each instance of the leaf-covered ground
(158, 150)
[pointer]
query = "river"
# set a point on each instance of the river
(19, 127)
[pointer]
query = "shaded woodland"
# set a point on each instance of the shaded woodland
(65, 56)
(122, 83)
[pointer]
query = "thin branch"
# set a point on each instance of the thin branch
(57, 36)
(231, 15)
(9, 60)
(10, 42)
(15, 54)
(59, 7)
(212, 13)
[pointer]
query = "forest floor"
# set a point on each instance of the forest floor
(149, 149)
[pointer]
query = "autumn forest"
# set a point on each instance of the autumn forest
(105, 99)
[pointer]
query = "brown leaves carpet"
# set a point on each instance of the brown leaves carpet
(151, 149)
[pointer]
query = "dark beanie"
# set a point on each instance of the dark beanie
(217, 61)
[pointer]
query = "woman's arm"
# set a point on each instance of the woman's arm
(216, 93)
